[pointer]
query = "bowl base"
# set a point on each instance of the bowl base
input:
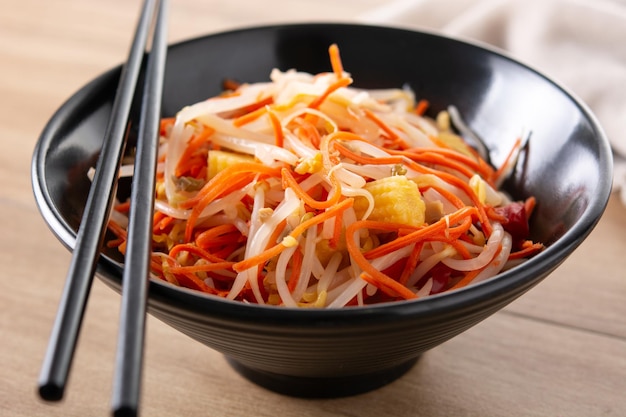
(336, 387)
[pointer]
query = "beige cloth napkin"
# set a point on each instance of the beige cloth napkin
(579, 43)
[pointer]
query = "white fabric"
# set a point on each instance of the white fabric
(579, 43)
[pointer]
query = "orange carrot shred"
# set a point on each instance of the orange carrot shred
(411, 263)
(342, 82)
(370, 273)
(337, 226)
(290, 181)
(296, 267)
(278, 129)
(335, 60)
(380, 123)
(422, 107)
(467, 279)
(230, 84)
(528, 249)
(529, 205)
(250, 116)
(516, 147)
(123, 207)
(295, 233)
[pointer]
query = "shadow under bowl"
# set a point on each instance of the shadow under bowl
(326, 353)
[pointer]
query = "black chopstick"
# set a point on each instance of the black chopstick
(129, 363)
(62, 343)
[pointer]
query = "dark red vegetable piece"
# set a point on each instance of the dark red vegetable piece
(516, 221)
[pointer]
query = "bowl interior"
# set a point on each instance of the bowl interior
(567, 165)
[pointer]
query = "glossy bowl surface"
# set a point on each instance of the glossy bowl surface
(321, 353)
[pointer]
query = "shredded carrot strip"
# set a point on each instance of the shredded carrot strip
(280, 228)
(251, 108)
(166, 123)
(335, 60)
(227, 250)
(118, 230)
(249, 113)
(394, 138)
(180, 277)
(192, 281)
(342, 82)
(250, 117)
(192, 146)
(296, 267)
(290, 181)
(388, 285)
(392, 159)
(278, 129)
(444, 161)
(216, 266)
(235, 182)
(529, 205)
(421, 107)
(337, 228)
(384, 126)
(163, 223)
(123, 207)
(259, 259)
(208, 237)
(230, 84)
(448, 195)
(495, 216)
(411, 263)
(295, 233)
(157, 217)
(371, 274)
(433, 231)
(220, 181)
(114, 243)
(528, 249)
(467, 279)
(229, 179)
(516, 147)
(194, 250)
(308, 132)
(460, 249)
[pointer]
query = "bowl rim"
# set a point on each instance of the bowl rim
(521, 277)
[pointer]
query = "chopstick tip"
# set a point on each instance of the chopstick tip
(51, 392)
(125, 411)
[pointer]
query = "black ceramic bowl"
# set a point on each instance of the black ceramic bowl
(338, 352)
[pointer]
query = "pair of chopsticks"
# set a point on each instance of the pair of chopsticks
(62, 343)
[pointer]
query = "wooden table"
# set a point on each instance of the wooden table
(558, 351)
